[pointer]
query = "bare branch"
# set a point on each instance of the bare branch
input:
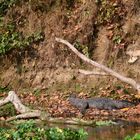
(87, 72)
(25, 116)
(102, 67)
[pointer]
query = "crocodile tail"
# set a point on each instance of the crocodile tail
(123, 104)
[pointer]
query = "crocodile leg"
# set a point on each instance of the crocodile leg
(83, 108)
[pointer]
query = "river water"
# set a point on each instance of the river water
(113, 132)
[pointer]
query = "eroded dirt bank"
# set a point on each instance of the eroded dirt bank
(103, 30)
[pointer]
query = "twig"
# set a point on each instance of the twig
(102, 67)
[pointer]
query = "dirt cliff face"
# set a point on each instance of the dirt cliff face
(102, 30)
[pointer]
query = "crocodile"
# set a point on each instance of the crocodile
(99, 103)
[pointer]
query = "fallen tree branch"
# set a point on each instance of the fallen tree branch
(102, 67)
(25, 116)
(87, 72)
(27, 113)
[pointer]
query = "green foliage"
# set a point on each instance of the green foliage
(11, 39)
(37, 92)
(65, 134)
(135, 137)
(78, 87)
(5, 4)
(82, 48)
(108, 11)
(117, 39)
(29, 131)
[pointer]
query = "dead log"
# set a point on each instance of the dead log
(111, 72)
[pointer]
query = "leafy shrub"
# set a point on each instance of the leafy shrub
(9, 41)
(29, 131)
(135, 137)
(10, 37)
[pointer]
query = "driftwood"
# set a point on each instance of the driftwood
(111, 72)
(26, 113)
